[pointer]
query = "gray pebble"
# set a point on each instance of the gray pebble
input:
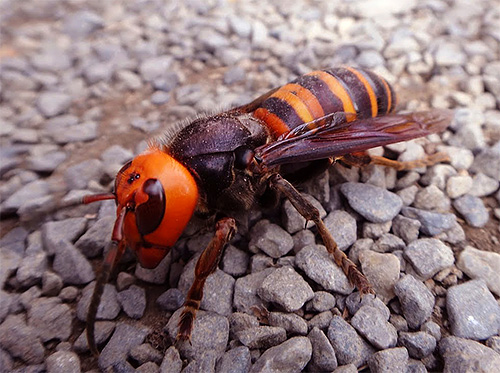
(429, 256)
(418, 344)
(433, 329)
(157, 275)
(382, 271)
(235, 261)
(417, 302)
(210, 334)
(408, 194)
(261, 336)
(354, 302)
(473, 210)
(67, 230)
(82, 23)
(432, 198)
(51, 104)
(124, 339)
(103, 330)
(46, 163)
(245, 291)
(63, 361)
(234, 75)
(483, 185)
(30, 191)
(98, 72)
(292, 323)
(239, 321)
(388, 243)
(86, 131)
(171, 300)
(167, 81)
(154, 67)
(172, 362)
(494, 343)
(144, 353)
(71, 265)
(376, 230)
(406, 228)
(108, 306)
(319, 266)
(432, 223)
(287, 288)
(322, 301)
(270, 238)
(373, 325)
(52, 60)
(437, 175)
(293, 220)
(479, 264)
(148, 367)
(79, 175)
(343, 228)
(323, 356)
(130, 79)
(31, 269)
(236, 360)
(488, 162)
(321, 320)
(473, 311)
(390, 360)
(50, 319)
(21, 340)
(5, 302)
(160, 97)
(133, 301)
(69, 294)
(399, 323)
(116, 154)
(375, 204)
(357, 351)
(465, 355)
(290, 356)
(96, 237)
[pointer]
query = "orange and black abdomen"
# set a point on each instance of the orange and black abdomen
(323, 92)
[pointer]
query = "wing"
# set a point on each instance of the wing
(336, 139)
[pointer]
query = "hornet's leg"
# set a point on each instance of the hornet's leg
(308, 211)
(207, 264)
(363, 159)
(113, 256)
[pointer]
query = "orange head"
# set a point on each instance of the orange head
(159, 196)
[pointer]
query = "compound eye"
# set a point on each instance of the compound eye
(148, 215)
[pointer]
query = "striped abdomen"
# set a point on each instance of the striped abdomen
(319, 93)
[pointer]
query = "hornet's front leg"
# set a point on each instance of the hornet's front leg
(206, 265)
(309, 212)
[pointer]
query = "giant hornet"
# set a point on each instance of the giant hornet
(248, 156)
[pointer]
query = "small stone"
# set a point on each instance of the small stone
(472, 209)
(262, 336)
(53, 232)
(79, 175)
(433, 329)
(432, 223)
(30, 191)
(210, 334)
(317, 264)
(171, 300)
(172, 362)
(390, 360)
(399, 323)
(144, 353)
(154, 67)
(292, 323)
(82, 23)
(71, 265)
(479, 264)
(354, 302)
(46, 163)
(343, 228)
(487, 162)
(98, 72)
(294, 221)
(432, 198)
(96, 237)
(69, 294)
(50, 318)
(130, 79)
(133, 301)
(160, 97)
(483, 185)
(460, 158)
(388, 243)
(108, 306)
(290, 356)
(103, 330)
(438, 174)
(494, 343)
(157, 275)
(462, 355)
(459, 185)
(116, 154)
(31, 269)
(287, 288)
(418, 344)
(373, 325)
(239, 321)
(375, 204)
(245, 291)
(382, 271)
(235, 261)
(417, 302)
(51, 104)
(234, 75)
(323, 356)
(271, 239)
(21, 340)
(356, 351)
(322, 301)
(63, 361)
(406, 228)
(408, 194)
(124, 339)
(376, 230)
(473, 311)
(236, 360)
(429, 256)
(144, 125)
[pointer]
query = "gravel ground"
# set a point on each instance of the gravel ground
(85, 82)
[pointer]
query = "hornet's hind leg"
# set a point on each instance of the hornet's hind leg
(206, 265)
(308, 211)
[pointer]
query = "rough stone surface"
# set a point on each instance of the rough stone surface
(323, 356)
(271, 239)
(382, 270)
(290, 356)
(133, 301)
(417, 301)
(50, 319)
(472, 209)
(418, 344)
(63, 361)
(21, 340)
(373, 325)
(236, 360)
(465, 355)
(262, 336)
(390, 360)
(478, 264)
(429, 256)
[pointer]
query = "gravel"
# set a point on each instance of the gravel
(87, 83)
